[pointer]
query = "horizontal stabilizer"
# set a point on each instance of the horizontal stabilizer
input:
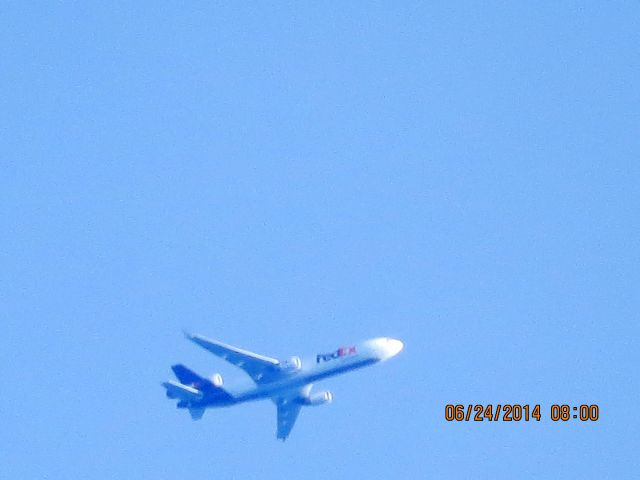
(196, 413)
(183, 392)
(192, 387)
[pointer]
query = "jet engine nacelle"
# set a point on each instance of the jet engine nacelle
(216, 379)
(293, 364)
(319, 398)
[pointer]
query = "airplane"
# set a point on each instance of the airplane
(287, 383)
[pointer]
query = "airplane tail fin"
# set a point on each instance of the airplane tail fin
(188, 377)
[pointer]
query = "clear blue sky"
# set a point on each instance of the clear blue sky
(292, 176)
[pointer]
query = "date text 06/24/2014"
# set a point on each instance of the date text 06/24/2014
(516, 412)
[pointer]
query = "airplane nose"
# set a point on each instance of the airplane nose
(394, 346)
(389, 347)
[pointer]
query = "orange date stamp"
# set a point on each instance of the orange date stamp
(515, 412)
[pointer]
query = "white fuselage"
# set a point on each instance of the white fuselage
(313, 369)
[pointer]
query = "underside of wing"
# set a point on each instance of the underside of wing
(288, 411)
(289, 405)
(259, 367)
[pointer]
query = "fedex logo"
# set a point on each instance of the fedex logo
(341, 352)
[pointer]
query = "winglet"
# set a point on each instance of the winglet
(186, 334)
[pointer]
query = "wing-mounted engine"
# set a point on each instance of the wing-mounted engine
(216, 379)
(290, 365)
(319, 398)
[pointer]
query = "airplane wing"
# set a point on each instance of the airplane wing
(288, 411)
(259, 367)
